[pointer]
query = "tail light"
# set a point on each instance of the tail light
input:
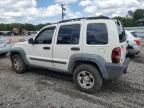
(138, 42)
(8, 41)
(116, 55)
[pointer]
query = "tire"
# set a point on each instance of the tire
(89, 82)
(18, 64)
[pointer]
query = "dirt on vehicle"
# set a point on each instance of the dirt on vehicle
(39, 88)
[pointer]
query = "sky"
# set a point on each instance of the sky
(49, 11)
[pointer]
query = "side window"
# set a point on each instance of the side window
(69, 34)
(97, 34)
(45, 36)
(121, 31)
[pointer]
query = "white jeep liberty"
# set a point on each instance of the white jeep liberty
(92, 49)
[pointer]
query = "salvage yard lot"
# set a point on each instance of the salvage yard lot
(39, 88)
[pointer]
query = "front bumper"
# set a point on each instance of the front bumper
(114, 71)
(5, 49)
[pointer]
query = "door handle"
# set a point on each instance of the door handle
(75, 49)
(46, 48)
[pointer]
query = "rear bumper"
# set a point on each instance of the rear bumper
(114, 71)
(134, 50)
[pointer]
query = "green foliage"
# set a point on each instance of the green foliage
(28, 27)
(4, 27)
(127, 22)
(132, 22)
(39, 26)
(138, 14)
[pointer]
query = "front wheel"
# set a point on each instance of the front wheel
(87, 78)
(18, 64)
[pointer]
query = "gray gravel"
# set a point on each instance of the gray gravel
(40, 88)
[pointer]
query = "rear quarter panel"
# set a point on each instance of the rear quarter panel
(104, 51)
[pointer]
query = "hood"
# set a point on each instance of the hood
(20, 43)
(2, 39)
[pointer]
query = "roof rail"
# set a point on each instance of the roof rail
(87, 18)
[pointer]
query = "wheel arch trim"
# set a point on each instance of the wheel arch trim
(19, 51)
(95, 59)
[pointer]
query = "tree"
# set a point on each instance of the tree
(138, 14)
(29, 27)
(127, 22)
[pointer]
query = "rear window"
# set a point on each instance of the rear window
(121, 31)
(97, 34)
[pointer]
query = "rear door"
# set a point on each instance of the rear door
(67, 43)
(96, 38)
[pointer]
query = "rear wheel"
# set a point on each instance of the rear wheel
(87, 78)
(18, 64)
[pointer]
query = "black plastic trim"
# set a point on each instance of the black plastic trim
(52, 61)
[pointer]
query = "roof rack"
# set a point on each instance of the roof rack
(87, 18)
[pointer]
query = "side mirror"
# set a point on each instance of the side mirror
(31, 41)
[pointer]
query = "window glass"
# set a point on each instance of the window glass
(97, 34)
(134, 34)
(45, 37)
(121, 31)
(69, 34)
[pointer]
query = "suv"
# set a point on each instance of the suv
(93, 50)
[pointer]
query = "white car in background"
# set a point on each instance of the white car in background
(5, 45)
(134, 43)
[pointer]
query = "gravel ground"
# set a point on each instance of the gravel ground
(40, 88)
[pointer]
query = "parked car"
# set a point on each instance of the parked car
(134, 43)
(28, 33)
(5, 45)
(1, 33)
(91, 49)
(8, 33)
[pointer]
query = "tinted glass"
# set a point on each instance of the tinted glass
(1, 33)
(121, 31)
(45, 37)
(134, 34)
(69, 34)
(97, 34)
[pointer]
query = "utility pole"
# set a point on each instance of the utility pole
(63, 11)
